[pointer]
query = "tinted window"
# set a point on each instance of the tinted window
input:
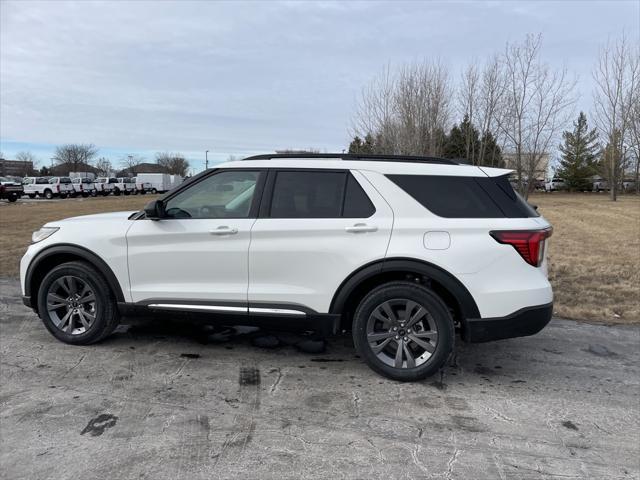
(227, 194)
(452, 197)
(356, 201)
(465, 197)
(308, 194)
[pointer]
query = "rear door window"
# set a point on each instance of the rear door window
(308, 194)
(356, 202)
(318, 194)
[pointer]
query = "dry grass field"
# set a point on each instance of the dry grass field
(594, 255)
(594, 252)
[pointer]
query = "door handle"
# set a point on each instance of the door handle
(361, 228)
(224, 230)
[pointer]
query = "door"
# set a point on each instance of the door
(199, 251)
(315, 228)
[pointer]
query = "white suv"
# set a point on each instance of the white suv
(401, 250)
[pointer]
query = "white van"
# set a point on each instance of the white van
(160, 182)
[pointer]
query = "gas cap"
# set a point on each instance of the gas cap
(437, 240)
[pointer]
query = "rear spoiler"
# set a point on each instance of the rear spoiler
(496, 172)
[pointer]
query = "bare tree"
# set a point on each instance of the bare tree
(375, 112)
(491, 92)
(617, 77)
(174, 163)
(29, 161)
(131, 163)
(534, 107)
(75, 156)
(468, 100)
(634, 135)
(104, 167)
(407, 112)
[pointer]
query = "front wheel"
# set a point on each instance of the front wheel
(403, 331)
(12, 198)
(76, 305)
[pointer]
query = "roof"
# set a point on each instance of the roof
(384, 164)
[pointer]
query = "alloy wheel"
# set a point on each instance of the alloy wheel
(402, 333)
(71, 303)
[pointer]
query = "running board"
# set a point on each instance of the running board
(226, 309)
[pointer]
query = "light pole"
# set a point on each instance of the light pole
(206, 160)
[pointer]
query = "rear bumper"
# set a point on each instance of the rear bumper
(524, 322)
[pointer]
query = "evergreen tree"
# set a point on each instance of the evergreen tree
(491, 153)
(454, 144)
(579, 160)
(366, 146)
(464, 142)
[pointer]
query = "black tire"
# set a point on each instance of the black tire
(12, 198)
(32, 195)
(63, 195)
(104, 194)
(440, 318)
(106, 312)
(48, 194)
(154, 191)
(116, 191)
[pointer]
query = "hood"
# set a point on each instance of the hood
(111, 216)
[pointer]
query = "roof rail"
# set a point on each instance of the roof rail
(355, 156)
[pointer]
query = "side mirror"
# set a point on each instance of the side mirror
(154, 210)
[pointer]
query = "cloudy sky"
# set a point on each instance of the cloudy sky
(249, 77)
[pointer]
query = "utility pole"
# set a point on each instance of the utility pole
(206, 160)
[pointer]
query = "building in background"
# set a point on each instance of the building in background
(542, 168)
(15, 168)
(142, 168)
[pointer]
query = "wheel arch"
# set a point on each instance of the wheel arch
(55, 255)
(360, 282)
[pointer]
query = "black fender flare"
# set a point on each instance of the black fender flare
(467, 304)
(76, 251)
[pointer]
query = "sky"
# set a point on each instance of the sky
(238, 78)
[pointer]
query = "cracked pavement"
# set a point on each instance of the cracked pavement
(168, 400)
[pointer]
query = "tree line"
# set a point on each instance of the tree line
(512, 104)
(78, 157)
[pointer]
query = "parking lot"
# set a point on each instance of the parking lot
(167, 400)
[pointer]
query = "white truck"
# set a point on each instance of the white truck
(160, 182)
(125, 186)
(84, 186)
(105, 185)
(47, 187)
(141, 187)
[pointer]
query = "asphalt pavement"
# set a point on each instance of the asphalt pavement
(168, 400)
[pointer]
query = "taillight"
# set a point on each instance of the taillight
(528, 243)
(58, 188)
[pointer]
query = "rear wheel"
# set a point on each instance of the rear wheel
(403, 331)
(48, 194)
(76, 305)
(12, 198)
(32, 195)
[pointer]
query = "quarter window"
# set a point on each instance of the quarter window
(228, 194)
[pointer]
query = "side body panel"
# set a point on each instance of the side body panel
(303, 261)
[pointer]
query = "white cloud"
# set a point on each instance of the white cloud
(243, 77)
